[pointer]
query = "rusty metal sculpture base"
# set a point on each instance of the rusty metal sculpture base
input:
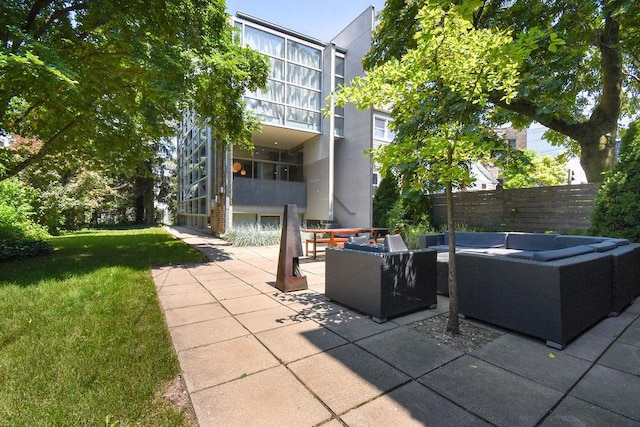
(289, 278)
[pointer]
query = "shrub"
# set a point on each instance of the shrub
(252, 235)
(617, 206)
(16, 212)
(23, 248)
(386, 196)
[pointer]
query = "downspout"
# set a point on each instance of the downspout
(228, 189)
(332, 125)
(211, 178)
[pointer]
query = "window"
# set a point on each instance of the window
(338, 112)
(264, 42)
(293, 95)
(270, 221)
(512, 143)
(268, 164)
(382, 129)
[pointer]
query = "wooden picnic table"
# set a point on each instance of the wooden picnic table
(336, 236)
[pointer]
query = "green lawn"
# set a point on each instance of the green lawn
(82, 338)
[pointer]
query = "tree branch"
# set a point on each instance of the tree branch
(47, 147)
(530, 109)
(55, 15)
(35, 10)
(607, 110)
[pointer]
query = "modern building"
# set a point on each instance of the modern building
(301, 156)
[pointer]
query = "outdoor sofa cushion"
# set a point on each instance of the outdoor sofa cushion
(394, 243)
(561, 253)
(478, 239)
(366, 247)
(531, 241)
(607, 245)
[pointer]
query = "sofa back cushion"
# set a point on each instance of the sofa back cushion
(364, 247)
(568, 241)
(607, 245)
(478, 239)
(363, 240)
(561, 253)
(531, 241)
(394, 243)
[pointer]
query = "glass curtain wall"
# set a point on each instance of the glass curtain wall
(268, 164)
(192, 170)
(293, 97)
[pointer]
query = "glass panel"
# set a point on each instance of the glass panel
(242, 168)
(266, 111)
(339, 69)
(339, 111)
(242, 220)
(266, 171)
(303, 54)
(277, 68)
(264, 42)
(303, 98)
(303, 76)
(339, 126)
(339, 82)
(283, 172)
(275, 92)
(270, 221)
(303, 119)
(380, 125)
(237, 35)
(295, 158)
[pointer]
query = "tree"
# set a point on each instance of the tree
(578, 91)
(533, 170)
(384, 199)
(100, 78)
(439, 92)
(617, 208)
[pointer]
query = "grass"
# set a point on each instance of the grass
(82, 338)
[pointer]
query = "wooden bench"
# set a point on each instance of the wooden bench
(339, 241)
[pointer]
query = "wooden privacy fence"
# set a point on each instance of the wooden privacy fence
(561, 209)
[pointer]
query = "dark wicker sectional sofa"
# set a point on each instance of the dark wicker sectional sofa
(548, 286)
(381, 284)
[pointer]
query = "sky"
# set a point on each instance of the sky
(320, 19)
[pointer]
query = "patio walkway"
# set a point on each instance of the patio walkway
(252, 355)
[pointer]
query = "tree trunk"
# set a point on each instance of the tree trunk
(597, 154)
(453, 324)
(144, 198)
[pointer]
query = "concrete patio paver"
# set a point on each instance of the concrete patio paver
(611, 389)
(353, 326)
(496, 395)
(300, 340)
(409, 351)
(249, 304)
(224, 361)
(269, 398)
(532, 359)
(347, 376)
(194, 314)
(411, 405)
(575, 412)
(269, 318)
(208, 332)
